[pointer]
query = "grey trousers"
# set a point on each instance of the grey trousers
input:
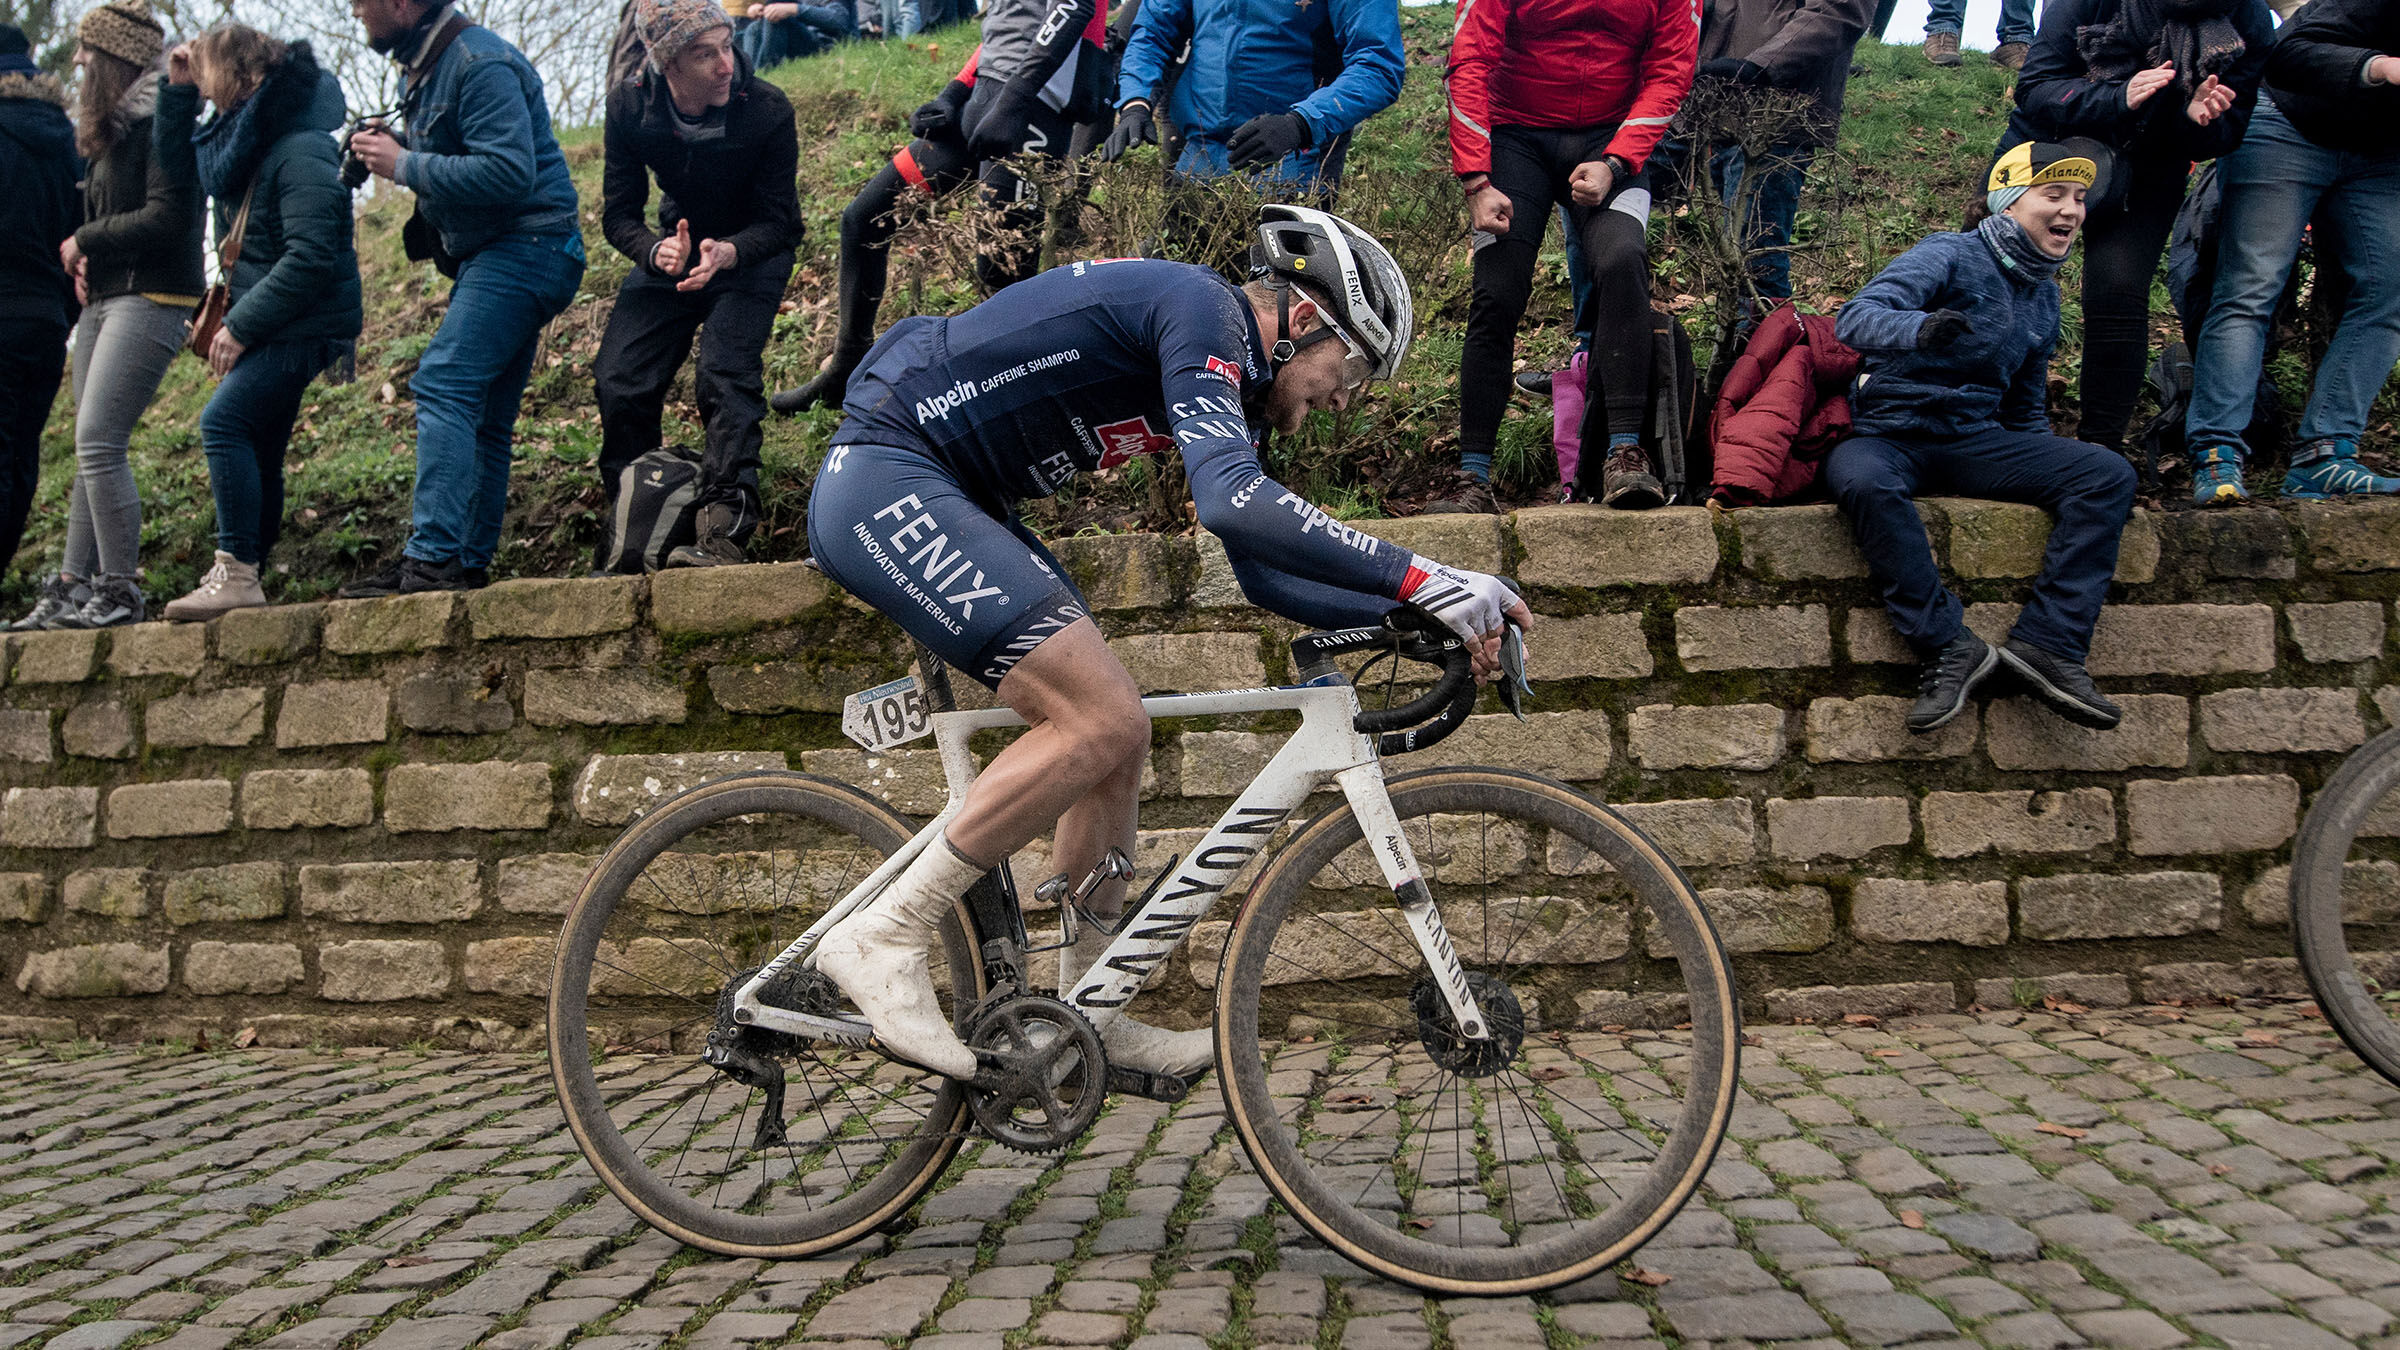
(123, 346)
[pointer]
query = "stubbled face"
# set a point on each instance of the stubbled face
(1324, 376)
(701, 75)
(386, 21)
(2052, 214)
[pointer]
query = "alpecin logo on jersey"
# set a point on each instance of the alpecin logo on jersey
(941, 404)
(1121, 441)
(1225, 370)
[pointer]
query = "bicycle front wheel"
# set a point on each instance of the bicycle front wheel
(798, 1146)
(1501, 1166)
(2346, 902)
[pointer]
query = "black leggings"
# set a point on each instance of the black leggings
(2121, 249)
(1531, 165)
(937, 166)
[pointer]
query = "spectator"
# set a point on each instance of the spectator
(136, 264)
(496, 213)
(721, 143)
(1955, 338)
(1037, 73)
(2325, 144)
(2161, 85)
(268, 161)
(771, 34)
(1945, 20)
(1550, 101)
(1773, 44)
(37, 298)
(1250, 97)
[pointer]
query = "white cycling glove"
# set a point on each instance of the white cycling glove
(1470, 603)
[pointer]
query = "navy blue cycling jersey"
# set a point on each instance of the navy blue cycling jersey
(1086, 366)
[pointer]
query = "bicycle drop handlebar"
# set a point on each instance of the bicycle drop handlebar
(1422, 721)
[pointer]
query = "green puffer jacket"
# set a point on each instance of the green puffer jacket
(297, 276)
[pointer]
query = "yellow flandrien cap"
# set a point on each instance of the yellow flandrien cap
(2032, 164)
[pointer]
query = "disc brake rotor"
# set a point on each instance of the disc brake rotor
(1438, 1030)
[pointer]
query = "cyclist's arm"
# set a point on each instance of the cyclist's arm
(1302, 600)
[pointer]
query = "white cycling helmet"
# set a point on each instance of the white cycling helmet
(1350, 275)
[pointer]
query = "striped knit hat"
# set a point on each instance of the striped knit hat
(125, 30)
(669, 26)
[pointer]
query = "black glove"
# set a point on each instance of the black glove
(938, 116)
(1266, 139)
(1734, 70)
(1943, 330)
(1134, 127)
(1000, 132)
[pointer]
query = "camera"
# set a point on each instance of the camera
(354, 170)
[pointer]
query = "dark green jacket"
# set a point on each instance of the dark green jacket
(297, 276)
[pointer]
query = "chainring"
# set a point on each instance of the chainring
(1042, 1075)
(1438, 1031)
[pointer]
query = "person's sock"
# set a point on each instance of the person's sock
(1476, 465)
(1623, 440)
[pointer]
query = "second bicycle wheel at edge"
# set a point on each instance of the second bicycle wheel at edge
(2342, 893)
(1440, 1162)
(680, 909)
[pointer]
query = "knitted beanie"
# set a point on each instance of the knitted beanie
(669, 26)
(125, 30)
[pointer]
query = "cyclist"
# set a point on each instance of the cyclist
(1083, 367)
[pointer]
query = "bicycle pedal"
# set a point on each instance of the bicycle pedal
(1157, 1087)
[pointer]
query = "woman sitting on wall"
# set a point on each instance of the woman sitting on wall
(268, 161)
(1955, 340)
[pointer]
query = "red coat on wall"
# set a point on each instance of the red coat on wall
(1783, 405)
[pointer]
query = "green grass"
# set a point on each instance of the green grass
(1914, 144)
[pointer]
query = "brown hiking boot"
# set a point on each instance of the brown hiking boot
(1467, 495)
(714, 545)
(2010, 55)
(1626, 482)
(1942, 48)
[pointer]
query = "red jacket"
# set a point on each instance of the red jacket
(1783, 405)
(1569, 63)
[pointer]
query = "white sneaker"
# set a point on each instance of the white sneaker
(230, 585)
(881, 957)
(1136, 1044)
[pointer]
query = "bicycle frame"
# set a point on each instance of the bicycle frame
(1327, 746)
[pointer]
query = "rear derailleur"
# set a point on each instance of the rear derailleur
(751, 1055)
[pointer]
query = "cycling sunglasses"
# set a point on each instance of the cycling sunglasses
(1357, 366)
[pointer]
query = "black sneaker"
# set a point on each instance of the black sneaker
(2063, 684)
(407, 576)
(715, 545)
(1948, 680)
(1467, 495)
(58, 599)
(474, 578)
(1535, 382)
(114, 601)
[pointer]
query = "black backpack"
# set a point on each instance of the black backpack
(657, 497)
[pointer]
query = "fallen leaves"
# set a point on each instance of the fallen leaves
(1645, 1276)
(1910, 1218)
(2062, 1131)
(1861, 1020)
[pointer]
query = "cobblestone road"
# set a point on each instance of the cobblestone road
(2136, 1178)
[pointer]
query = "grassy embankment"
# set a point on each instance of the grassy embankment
(1913, 140)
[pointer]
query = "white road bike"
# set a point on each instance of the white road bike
(1472, 1028)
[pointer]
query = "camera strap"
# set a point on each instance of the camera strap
(422, 72)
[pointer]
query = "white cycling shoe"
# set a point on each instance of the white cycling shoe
(881, 959)
(1135, 1044)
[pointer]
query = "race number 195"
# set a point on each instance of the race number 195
(886, 715)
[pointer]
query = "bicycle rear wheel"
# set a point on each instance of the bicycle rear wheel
(679, 913)
(2346, 902)
(1469, 1167)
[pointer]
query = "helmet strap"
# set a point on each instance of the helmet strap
(1284, 349)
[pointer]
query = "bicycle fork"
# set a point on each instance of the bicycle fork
(1362, 785)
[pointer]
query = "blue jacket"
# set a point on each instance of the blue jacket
(1995, 378)
(481, 157)
(1261, 56)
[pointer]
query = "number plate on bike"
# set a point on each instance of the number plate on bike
(886, 715)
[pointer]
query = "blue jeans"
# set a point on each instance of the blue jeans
(468, 386)
(1307, 171)
(245, 430)
(1950, 16)
(1877, 480)
(814, 29)
(2274, 184)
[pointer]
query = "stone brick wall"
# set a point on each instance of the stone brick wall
(360, 821)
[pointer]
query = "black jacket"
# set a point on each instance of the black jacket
(297, 276)
(2057, 96)
(141, 211)
(39, 209)
(738, 188)
(2316, 74)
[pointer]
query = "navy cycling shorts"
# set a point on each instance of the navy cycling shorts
(896, 530)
